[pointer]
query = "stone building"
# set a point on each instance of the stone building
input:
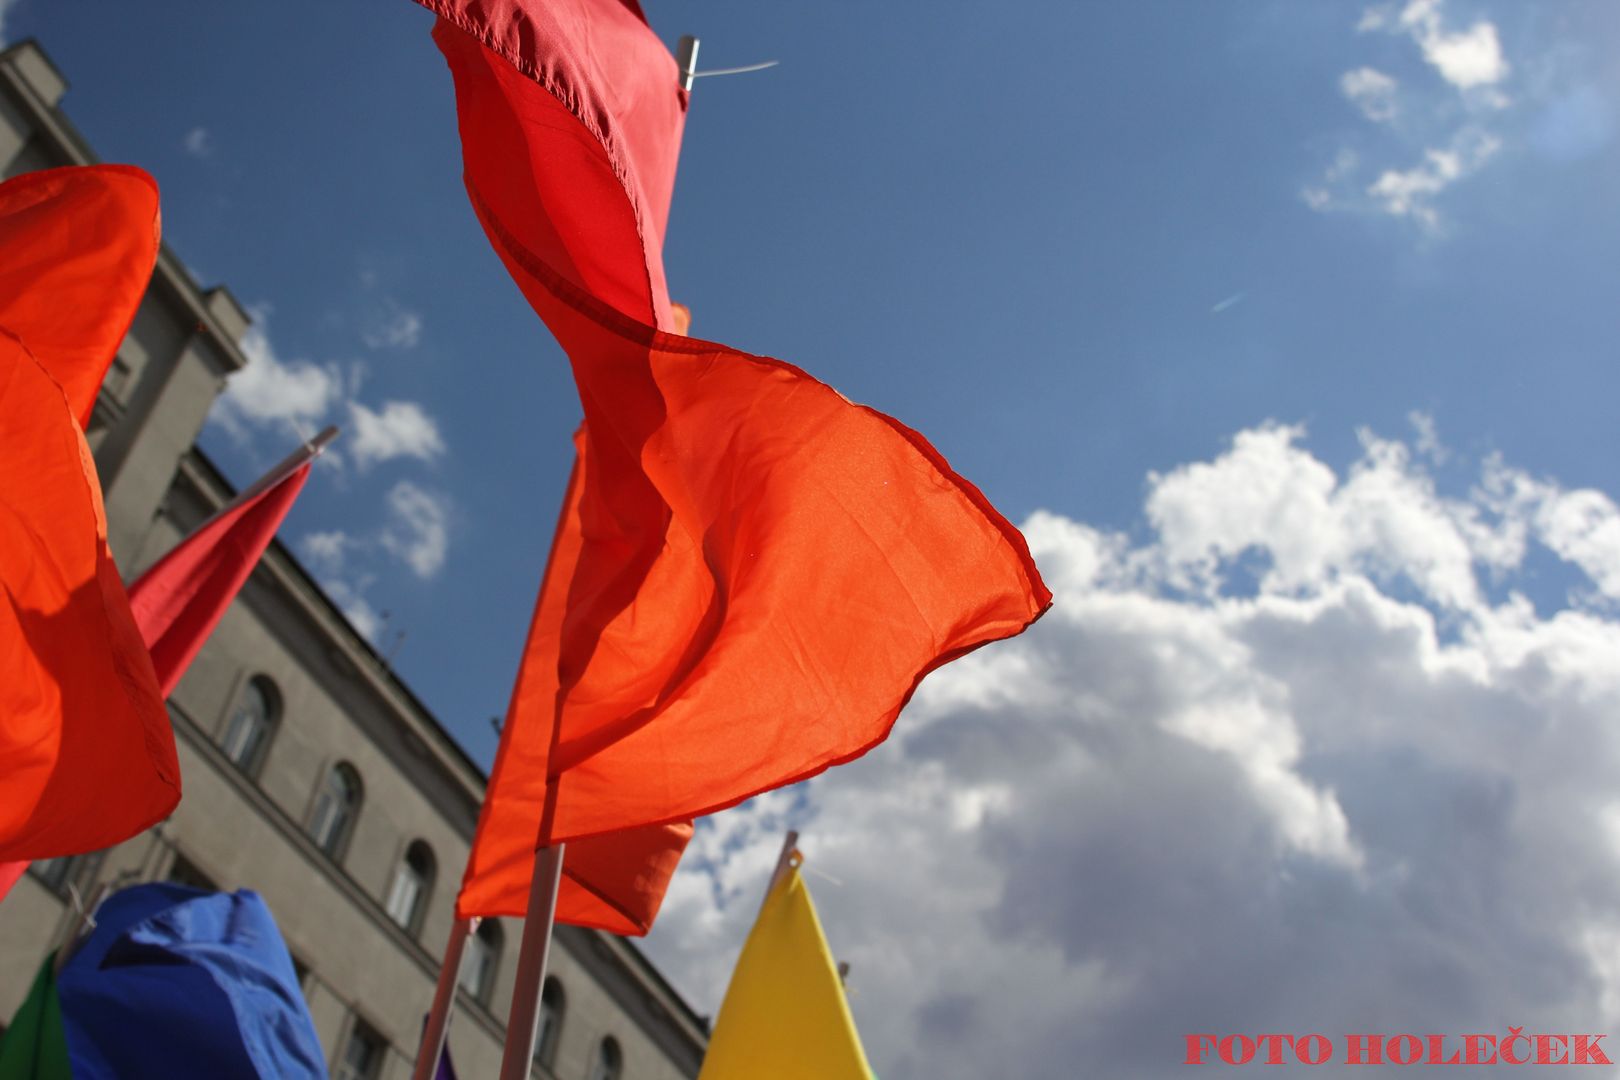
(312, 773)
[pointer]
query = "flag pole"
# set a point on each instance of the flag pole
(444, 995)
(783, 862)
(522, 1021)
(284, 468)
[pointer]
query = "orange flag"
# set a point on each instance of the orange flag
(85, 744)
(753, 573)
(77, 247)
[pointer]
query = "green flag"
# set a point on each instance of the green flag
(34, 1046)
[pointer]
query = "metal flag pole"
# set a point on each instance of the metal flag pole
(523, 1020)
(444, 995)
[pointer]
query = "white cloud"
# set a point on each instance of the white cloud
(1283, 765)
(1371, 91)
(326, 550)
(418, 528)
(393, 328)
(291, 394)
(1473, 68)
(401, 429)
(199, 143)
(1410, 193)
(1466, 59)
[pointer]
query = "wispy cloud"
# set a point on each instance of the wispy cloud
(401, 429)
(1421, 123)
(418, 528)
(394, 327)
(1411, 193)
(1371, 91)
(1230, 302)
(199, 143)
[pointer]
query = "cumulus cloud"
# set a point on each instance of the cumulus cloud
(1466, 58)
(294, 395)
(1371, 91)
(297, 396)
(199, 143)
(401, 429)
(418, 528)
(1304, 756)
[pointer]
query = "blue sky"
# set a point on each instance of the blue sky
(1098, 253)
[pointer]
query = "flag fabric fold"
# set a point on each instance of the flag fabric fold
(753, 573)
(178, 982)
(181, 598)
(85, 743)
(77, 247)
(178, 601)
(785, 1014)
(614, 882)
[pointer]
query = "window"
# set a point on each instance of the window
(608, 1060)
(336, 806)
(362, 1054)
(552, 1006)
(77, 871)
(478, 962)
(247, 733)
(413, 881)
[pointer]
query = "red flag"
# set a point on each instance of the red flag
(85, 744)
(79, 246)
(614, 882)
(178, 602)
(9, 873)
(763, 570)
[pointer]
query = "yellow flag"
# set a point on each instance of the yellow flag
(785, 1016)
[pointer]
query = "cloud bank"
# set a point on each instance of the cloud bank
(1322, 750)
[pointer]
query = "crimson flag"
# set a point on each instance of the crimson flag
(753, 573)
(178, 602)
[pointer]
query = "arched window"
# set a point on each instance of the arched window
(337, 804)
(553, 1003)
(609, 1061)
(478, 962)
(252, 723)
(413, 882)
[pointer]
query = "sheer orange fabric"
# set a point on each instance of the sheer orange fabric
(85, 745)
(752, 574)
(77, 247)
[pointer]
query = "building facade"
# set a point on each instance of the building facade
(311, 772)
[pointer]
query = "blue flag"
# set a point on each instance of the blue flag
(176, 982)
